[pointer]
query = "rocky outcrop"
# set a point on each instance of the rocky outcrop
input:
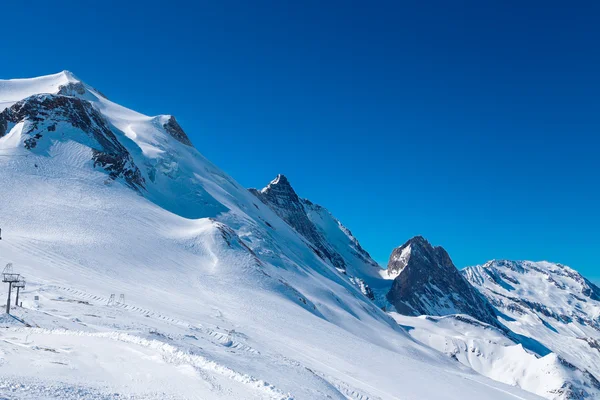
(72, 89)
(43, 112)
(173, 129)
(427, 282)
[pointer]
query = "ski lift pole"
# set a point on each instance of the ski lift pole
(8, 276)
(8, 301)
(20, 284)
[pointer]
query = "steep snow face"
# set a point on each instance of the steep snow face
(490, 352)
(427, 282)
(221, 295)
(549, 302)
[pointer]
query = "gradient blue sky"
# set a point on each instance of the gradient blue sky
(474, 124)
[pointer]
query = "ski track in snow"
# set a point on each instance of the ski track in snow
(350, 392)
(173, 355)
(224, 339)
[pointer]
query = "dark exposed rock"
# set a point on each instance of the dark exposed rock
(590, 290)
(72, 89)
(173, 128)
(39, 109)
(593, 343)
(427, 282)
(281, 198)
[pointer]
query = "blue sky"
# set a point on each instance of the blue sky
(474, 124)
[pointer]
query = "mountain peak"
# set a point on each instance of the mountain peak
(401, 256)
(281, 180)
(69, 76)
(418, 240)
(280, 184)
(427, 282)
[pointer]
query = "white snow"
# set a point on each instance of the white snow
(489, 352)
(563, 317)
(14, 90)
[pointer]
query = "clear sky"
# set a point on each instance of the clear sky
(474, 124)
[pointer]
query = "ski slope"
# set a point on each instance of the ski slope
(222, 299)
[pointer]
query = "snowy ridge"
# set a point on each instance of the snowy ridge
(551, 303)
(221, 295)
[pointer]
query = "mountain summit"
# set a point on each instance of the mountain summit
(427, 282)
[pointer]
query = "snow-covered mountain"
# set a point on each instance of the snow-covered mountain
(223, 295)
(533, 325)
(327, 236)
(551, 303)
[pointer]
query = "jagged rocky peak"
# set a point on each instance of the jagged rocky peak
(281, 185)
(279, 193)
(174, 129)
(427, 282)
(282, 198)
(280, 180)
(417, 246)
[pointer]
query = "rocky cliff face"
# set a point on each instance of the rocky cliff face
(173, 128)
(41, 114)
(427, 282)
(281, 198)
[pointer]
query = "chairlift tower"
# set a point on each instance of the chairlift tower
(8, 276)
(20, 284)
